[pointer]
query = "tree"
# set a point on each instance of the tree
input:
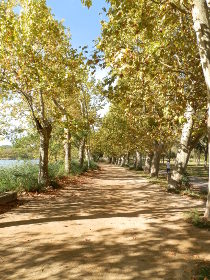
(34, 57)
(201, 15)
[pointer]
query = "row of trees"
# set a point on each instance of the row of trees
(44, 80)
(158, 54)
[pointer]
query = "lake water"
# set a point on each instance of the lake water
(11, 162)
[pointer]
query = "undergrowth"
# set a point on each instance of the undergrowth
(24, 177)
(195, 218)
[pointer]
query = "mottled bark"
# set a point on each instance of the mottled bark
(67, 151)
(206, 156)
(119, 161)
(82, 152)
(139, 161)
(44, 134)
(123, 159)
(201, 19)
(184, 150)
(155, 164)
(148, 162)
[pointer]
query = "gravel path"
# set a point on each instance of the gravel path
(116, 226)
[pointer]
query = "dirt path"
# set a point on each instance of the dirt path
(117, 226)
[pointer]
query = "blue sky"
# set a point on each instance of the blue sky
(84, 23)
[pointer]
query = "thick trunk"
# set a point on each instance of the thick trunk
(155, 165)
(139, 161)
(67, 151)
(184, 150)
(44, 134)
(148, 162)
(82, 152)
(201, 21)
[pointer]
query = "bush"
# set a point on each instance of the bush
(195, 218)
(56, 169)
(76, 169)
(22, 177)
(25, 176)
(185, 182)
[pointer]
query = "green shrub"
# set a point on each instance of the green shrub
(22, 177)
(202, 270)
(185, 180)
(76, 169)
(195, 218)
(56, 169)
(25, 176)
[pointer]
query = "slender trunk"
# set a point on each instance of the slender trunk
(148, 162)
(44, 134)
(113, 160)
(206, 156)
(67, 151)
(119, 161)
(81, 152)
(123, 159)
(88, 156)
(139, 161)
(184, 150)
(199, 157)
(155, 165)
(134, 161)
(127, 161)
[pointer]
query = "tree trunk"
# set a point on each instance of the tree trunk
(119, 161)
(113, 160)
(127, 161)
(155, 165)
(123, 159)
(82, 152)
(67, 151)
(88, 156)
(206, 156)
(139, 162)
(201, 19)
(199, 157)
(148, 162)
(184, 150)
(44, 134)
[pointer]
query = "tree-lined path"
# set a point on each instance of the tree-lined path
(115, 226)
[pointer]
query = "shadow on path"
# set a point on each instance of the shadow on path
(116, 226)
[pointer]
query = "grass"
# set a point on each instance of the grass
(24, 177)
(197, 171)
(195, 218)
(201, 270)
(193, 170)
